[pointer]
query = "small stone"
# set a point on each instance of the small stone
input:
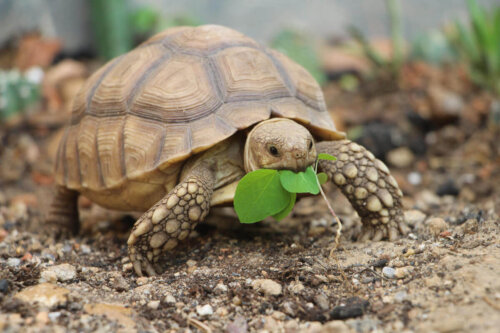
(4, 286)
(403, 272)
(205, 310)
(414, 178)
(53, 316)
(401, 157)
(355, 307)
(169, 299)
(436, 225)
(142, 280)
(296, 287)
(63, 272)
(42, 317)
(221, 287)
(236, 300)
(13, 262)
(389, 272)
(45, 294)
(154, 305)
(335, 326)
(414, 217)
(118, 282)
(322, 301)
(267, 286)
(112, 312)
(447, 188)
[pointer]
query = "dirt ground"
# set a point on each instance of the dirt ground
(278, 277)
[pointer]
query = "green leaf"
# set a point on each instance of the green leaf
(322, 178)
(327, 157)
(300, 182)
(284, 213)
(259, 194)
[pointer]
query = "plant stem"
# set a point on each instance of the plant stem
(394, 9)
(330, 208)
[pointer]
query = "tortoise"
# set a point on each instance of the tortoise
(170, 127)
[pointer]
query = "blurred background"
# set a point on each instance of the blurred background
(416, 81)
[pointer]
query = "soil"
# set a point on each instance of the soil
(279, 277)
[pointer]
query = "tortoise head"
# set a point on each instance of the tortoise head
(279, 143)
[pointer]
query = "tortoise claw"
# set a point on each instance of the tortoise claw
(142, 266)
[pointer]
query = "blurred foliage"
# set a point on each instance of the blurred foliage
(433, 47)
(391, 65)
(478, 45)
(18, 91)
(146, 21)
(300, 48)
(110, 21)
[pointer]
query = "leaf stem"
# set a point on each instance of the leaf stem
(330, 208)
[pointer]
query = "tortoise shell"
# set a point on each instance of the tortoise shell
(177, 94)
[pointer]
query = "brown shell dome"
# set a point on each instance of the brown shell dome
(179, 93)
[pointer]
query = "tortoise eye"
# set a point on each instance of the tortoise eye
(310, 145)
(273, 150)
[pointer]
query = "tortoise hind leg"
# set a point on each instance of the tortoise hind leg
(170, 220)
(368, 185)
(62, 219)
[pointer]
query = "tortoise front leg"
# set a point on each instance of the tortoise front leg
(170, 220)
(62, 219)
(368, 185)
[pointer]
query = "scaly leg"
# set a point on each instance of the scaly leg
(368, 185)
(62, 219)
(170, 220)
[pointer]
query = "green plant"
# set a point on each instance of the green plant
(18, 91)
(110, 22)
(478, 45)
(267, 192)
(299, 48)
(382, 65)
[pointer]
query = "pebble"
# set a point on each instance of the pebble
(4, 286)
(113, 312)
(403, 272)
(62, 272)
(401, 157)
(414, 178)
(448, 188)
(414, 217)
(290, 308)
(354, 307)
(400, 296)
(154, 305)
(267, 286)
(205, 310)
(335, 326)
(296, 287)
(436, 225)
(221, 287)
(169, 299)
(13, 262)
(53, 316)
(45, 294)
(322, 301)
(389, 272)
(118, 282)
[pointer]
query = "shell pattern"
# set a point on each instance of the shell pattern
(179, 93)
